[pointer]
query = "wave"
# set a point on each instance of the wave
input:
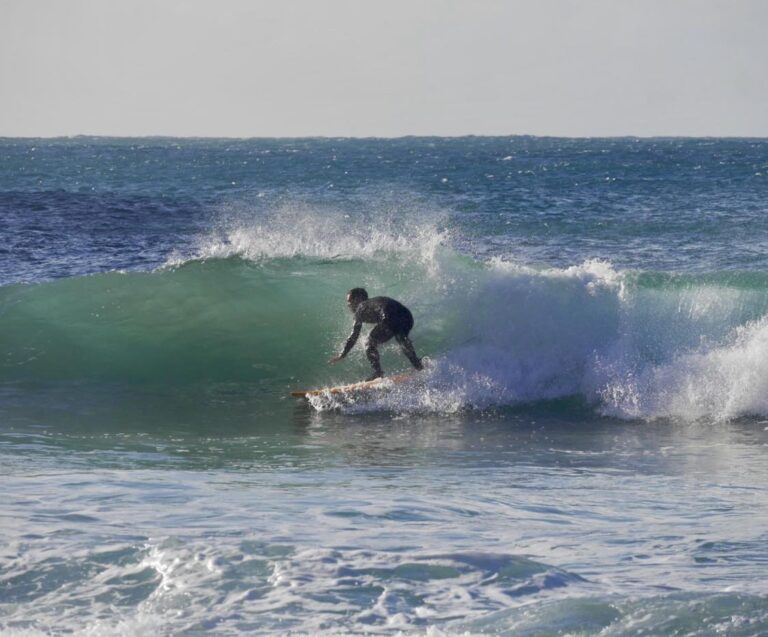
(264, 304)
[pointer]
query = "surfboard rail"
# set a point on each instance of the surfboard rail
(365, 385)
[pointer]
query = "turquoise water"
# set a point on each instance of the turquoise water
(584, 455)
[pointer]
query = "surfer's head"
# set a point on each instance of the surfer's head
(355, 297)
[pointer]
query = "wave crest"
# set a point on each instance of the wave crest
(321, 233)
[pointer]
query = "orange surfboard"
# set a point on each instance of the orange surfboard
(366, 385)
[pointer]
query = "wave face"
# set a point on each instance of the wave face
(264, 303)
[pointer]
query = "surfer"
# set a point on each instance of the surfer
(391, 319)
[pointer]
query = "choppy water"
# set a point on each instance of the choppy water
(586, 454)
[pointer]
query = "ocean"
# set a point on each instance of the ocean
(585, 453)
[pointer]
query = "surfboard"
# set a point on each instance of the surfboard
(363, 386)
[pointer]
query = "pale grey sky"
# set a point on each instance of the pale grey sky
(388, 68)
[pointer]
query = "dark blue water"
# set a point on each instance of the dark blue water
(73, 206)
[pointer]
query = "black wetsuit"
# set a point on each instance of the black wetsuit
(391, 319)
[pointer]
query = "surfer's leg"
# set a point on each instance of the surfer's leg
(410, 353)
(379, 334)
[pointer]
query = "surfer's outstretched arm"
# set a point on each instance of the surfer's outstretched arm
(350, 342)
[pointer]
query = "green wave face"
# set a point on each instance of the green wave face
(215, 321)
(220, 320)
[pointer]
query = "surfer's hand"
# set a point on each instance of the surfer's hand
(334, 360)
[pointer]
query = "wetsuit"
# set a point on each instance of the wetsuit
(391, 319)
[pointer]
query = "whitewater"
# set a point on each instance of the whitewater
(585, 453)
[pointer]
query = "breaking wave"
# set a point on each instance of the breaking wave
(264, 302)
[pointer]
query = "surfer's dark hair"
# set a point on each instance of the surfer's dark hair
(357, 295)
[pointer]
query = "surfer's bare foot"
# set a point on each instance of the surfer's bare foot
(374, 377)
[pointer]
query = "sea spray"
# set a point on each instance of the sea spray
(369, 230)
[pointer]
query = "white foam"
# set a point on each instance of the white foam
(722, 382)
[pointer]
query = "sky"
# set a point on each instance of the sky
(290, 68)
